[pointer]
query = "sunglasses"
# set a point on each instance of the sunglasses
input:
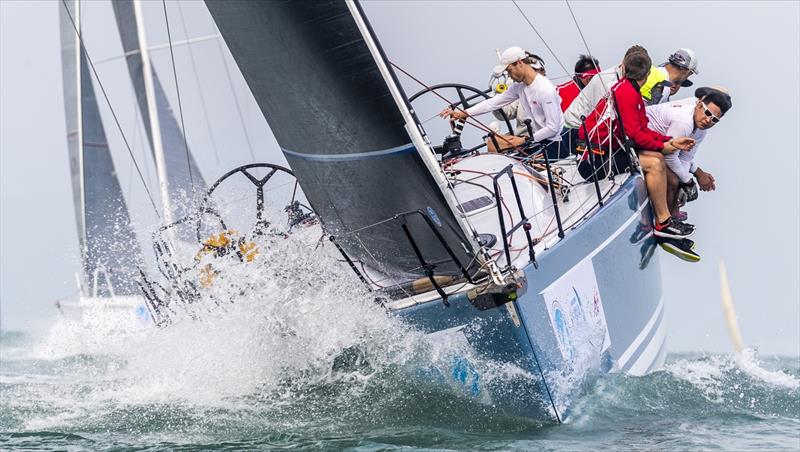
(714, 118)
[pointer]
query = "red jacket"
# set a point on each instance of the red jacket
(568, 91)
(630, 106)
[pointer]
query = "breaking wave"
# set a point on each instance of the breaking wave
(300, 355)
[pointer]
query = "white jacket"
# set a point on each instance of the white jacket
(597, 88)
(540, 102)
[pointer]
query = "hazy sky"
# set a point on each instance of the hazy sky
(750, 221)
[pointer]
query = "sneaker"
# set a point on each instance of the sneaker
(680, 248)
(681, 216)
(673, 229)
(689, 243)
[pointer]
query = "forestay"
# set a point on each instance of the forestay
(327, 94)
(109, 248)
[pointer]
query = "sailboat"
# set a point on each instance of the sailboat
(483, 248)
(511, 254)
(108, 294)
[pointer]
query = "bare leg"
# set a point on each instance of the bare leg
(655, 177)
(504, 141)
(672, 192)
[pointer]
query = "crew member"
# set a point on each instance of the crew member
(536, 94)
(499, 83)
(595, 90)
(692, 117)
(606, 132)
(585, 69)
(665, 81)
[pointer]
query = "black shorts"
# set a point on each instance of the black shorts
(598, 164)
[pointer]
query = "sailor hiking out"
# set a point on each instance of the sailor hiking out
(692, 117)
(620, 116)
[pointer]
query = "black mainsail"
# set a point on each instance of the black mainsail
(110, 252)
(345, 128)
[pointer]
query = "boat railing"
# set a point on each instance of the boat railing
(523, 223)
(429, 268)
(533, 152)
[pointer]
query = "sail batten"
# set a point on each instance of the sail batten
(344, 131)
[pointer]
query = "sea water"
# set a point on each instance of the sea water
(298, 356)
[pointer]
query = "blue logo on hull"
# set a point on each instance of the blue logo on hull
(434, 216)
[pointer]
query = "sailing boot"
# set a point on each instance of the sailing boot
(681, 248)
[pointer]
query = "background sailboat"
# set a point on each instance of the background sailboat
(180, 182)
(110, 250)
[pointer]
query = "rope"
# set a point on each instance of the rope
(111, 108)
(541, 37)
(580, 32)
(585, 44)
(477, 124)
(178, 91)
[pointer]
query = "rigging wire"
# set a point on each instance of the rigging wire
(470, 119)
(580, 32)
(585, 44)
(110, 107)
(180, 106)
(541, 37)
(197, 81)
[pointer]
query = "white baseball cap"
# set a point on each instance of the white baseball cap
(509, 56)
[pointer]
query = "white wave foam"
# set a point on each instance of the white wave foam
(720, 375)
(748, 361)
(280, 325)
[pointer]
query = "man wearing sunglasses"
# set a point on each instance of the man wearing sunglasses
(691, 117)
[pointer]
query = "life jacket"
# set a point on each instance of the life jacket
(653, 89)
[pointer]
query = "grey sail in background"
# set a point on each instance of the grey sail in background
(109, 248)
(342, 131)
(183, 179)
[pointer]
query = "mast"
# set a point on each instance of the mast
(71, 62)
(110, 252)
(155, 125)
